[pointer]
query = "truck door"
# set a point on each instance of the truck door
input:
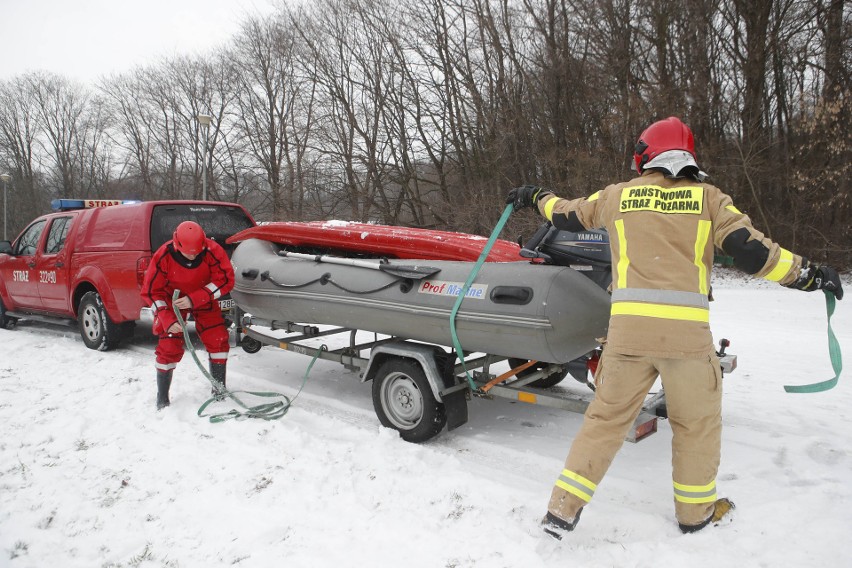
(52, 265)
(19, 271)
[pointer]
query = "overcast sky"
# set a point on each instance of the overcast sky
(83, 39)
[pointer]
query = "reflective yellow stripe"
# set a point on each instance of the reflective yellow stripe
(548, 208)
(733, 209)
(668, 297)
(785, 261)
(576, 484)
(623, 261)
(662, 311)
(700, 244)
(695, 493)
(594, 196)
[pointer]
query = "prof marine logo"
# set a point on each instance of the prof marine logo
(442, 288)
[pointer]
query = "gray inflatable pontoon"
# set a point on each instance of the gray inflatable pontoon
(514, 309)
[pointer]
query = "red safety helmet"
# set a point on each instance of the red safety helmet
(662, 136)
(189, 238)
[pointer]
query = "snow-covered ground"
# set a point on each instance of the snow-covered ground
(91, 475)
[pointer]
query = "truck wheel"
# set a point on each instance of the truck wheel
(98, 331)
(403, 400)
(6, 322)
(543, 383)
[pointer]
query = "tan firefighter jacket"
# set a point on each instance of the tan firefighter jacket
(662, 235)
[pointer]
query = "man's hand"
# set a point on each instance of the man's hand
(525, 196)
(183, 303)
(826, 278)
(175, 329)
(820, 278)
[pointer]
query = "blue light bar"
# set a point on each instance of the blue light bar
(69, 204)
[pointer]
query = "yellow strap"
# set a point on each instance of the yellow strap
(695, 493)
(548, 207)
(700, 244)
(663, 311)
(576, 484)
(782, 267)
(623, 260)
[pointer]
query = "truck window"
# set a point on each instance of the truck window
(57, 234)
(218, 221)
(28, 243)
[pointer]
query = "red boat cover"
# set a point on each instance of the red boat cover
(381, 240)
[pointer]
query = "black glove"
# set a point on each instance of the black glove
(819, 278)
(525, 196)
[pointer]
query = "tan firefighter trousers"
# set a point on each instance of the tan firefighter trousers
(693, 390)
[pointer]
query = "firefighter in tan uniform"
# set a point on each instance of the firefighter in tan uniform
(664, 226)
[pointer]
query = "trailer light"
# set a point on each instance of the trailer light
(592, 362)
(646, 429)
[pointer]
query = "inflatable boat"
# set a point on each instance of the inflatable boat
(404, 282)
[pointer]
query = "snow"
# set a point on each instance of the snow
(92, 475)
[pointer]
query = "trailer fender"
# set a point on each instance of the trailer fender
(437, 367)
(423, 354)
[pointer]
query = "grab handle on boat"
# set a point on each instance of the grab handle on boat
(519, 295)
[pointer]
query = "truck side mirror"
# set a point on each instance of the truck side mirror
(5, 247)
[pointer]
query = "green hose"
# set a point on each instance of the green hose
(474, 271)
(266, 411)
(833, 352)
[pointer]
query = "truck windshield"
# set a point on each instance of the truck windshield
(218, 221)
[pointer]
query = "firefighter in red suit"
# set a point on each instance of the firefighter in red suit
(200, 269)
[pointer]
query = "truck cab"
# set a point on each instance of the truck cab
(86, 261)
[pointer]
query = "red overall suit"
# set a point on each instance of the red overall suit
(203, 280)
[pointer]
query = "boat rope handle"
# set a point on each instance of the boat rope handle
(265, 411)
(833, 352)
(327, 279)
(482, 256)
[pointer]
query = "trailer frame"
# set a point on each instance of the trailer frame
(444, 373)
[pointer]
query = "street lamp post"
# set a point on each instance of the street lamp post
(204, 121)
(6, 179)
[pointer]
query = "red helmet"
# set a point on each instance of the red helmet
(662, 136)
(189, 238)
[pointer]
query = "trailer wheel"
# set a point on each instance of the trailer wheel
(98, 331)
(250, 344)
(543, 383)
(403, 400)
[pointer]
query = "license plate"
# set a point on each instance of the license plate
(226, 304)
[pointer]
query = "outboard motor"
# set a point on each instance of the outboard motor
(585, 251)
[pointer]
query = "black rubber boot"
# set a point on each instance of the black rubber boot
(217, 371)
(556, 527)
(164, 383)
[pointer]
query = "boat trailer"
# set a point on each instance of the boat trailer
(418, 388)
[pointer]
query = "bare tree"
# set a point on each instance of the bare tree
(20, 127)
(276, 112)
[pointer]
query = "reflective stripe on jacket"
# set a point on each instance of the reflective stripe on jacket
(663, 233)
